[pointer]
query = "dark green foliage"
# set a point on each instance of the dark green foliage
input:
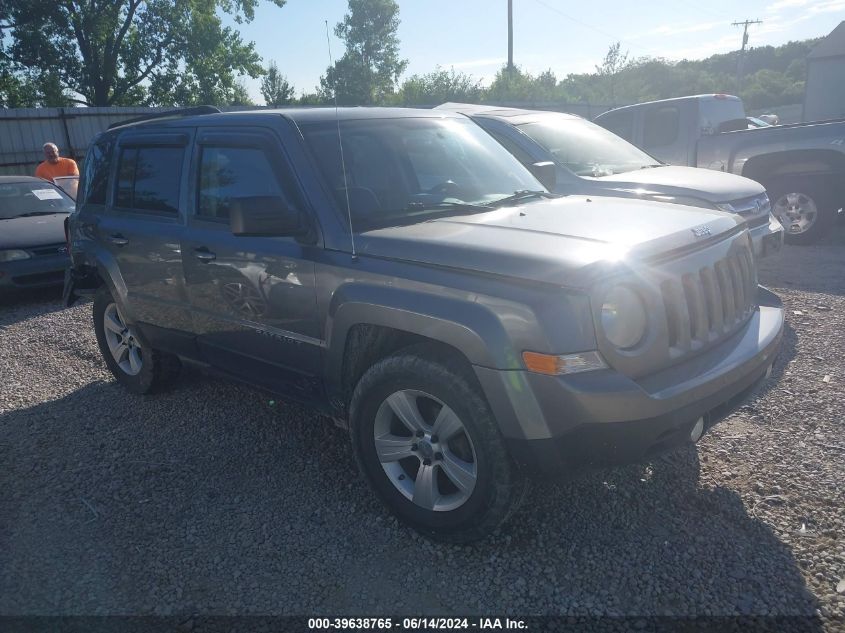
(120, 52)
(370, 67)
(438, 87)
(275, 87)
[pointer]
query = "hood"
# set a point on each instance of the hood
(564, 241)
(38, 230)
(707, 184)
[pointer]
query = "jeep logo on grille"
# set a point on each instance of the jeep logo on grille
(701, 231)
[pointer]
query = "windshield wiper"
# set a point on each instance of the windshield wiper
(438, 206)
(30, 214)
(522, 194)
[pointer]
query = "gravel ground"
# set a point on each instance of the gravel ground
(213, 499)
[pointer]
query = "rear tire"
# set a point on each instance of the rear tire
(135, 366)
(804, 206)
(456, 488)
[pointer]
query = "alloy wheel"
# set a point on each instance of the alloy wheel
(425, 450)
(797, 212)
(123, 345)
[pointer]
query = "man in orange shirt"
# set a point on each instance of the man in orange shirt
(54, 165)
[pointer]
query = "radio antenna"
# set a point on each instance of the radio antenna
(340, 144)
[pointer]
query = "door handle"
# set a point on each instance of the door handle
(204, 255)
(118, 240)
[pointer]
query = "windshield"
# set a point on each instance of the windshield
(68, 184)
(408, 170)
(585, 148)
(32, 198)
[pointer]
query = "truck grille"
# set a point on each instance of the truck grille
(705, 305)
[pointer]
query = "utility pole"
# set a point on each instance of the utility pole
(745, 24)
(510, 35)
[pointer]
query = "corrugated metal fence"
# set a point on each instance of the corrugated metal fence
(24, 131)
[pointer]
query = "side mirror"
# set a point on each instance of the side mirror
(546, 172)
(265, 216)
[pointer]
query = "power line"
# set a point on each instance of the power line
(588, 26)
(744, 24)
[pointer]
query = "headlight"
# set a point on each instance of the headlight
(726, 206)
(623, 317)
(10, 256)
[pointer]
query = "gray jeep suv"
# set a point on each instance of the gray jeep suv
(404, 273)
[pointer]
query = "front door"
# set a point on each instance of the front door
(253, 299)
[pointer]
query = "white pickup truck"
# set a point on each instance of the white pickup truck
(801, 165)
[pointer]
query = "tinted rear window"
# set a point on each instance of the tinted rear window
(148, 179)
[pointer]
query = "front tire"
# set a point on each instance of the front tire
(431, 449)
(137, 367)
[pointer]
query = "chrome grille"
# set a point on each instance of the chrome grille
(705, 305)
(755, 210)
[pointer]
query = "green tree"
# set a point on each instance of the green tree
(439, 86)
(520, 87)
(312, 99)
(108, 52)
(614, 62)
(370, 67)
(240, 95)
(275, 87)
(16, 91)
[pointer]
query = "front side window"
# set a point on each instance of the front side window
(148, 179)
(230, 174)
(586, 148)
(406, 169)
(660, 127)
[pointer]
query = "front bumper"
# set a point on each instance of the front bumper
(36, 272)
(556, 424)
(767, 238)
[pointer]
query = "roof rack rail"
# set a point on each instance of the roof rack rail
(203, 109)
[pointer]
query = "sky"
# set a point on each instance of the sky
(565, 36)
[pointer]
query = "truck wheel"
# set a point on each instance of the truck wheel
(427, 442)
(138, 368)
(803, 208)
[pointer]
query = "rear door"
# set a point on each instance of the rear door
(142, 227)
(253, 299)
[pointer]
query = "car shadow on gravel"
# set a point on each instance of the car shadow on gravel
(652, 541)
(214, 498)
(22, 304)
(813, 268)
